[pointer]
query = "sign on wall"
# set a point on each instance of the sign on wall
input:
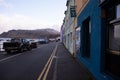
(72, 11)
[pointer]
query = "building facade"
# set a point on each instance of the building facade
(79, 4)
(99, 51)
(110, 13)
(96, 29)
(68, 27)
(90, 46)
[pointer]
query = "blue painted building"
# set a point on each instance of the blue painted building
(93, 21)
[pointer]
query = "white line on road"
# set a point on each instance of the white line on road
(10, 57)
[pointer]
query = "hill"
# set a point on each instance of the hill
(39, 33)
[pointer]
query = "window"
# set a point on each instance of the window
(117, 31)
(114, 39)
(113, 14)
(113, 52)
(118, 11)
(112, 55)
(86, 31)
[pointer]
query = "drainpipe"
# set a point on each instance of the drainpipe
(74, 38)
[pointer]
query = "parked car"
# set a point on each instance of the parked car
(33, 43)
(16, 44)
(57, 39)
(43, 41)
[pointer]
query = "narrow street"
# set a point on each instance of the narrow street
(47, 62)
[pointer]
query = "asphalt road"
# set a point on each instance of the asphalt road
(27, 65)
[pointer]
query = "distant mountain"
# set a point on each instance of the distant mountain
(39, 33)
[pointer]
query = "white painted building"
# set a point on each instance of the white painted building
(68, 26)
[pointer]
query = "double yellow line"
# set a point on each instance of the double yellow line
(46, 69)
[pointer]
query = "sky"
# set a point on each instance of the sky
(31, 14)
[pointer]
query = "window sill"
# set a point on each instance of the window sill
(115, 52)
(115, 21)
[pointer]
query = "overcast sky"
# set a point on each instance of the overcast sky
(31, 14)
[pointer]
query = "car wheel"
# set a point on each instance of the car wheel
(20, 50)
(29, 48)
(8, 52)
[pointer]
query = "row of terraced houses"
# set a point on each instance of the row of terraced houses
(91, 33)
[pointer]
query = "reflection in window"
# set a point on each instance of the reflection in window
(118, 11)
(117, 31)
(114, 41)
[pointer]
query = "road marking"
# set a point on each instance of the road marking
(10, 57)
(46, 69)
(55, 68)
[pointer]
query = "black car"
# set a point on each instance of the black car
(16, 44)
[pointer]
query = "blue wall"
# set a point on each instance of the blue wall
(94, 63)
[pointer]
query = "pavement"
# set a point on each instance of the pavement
(65, 67)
